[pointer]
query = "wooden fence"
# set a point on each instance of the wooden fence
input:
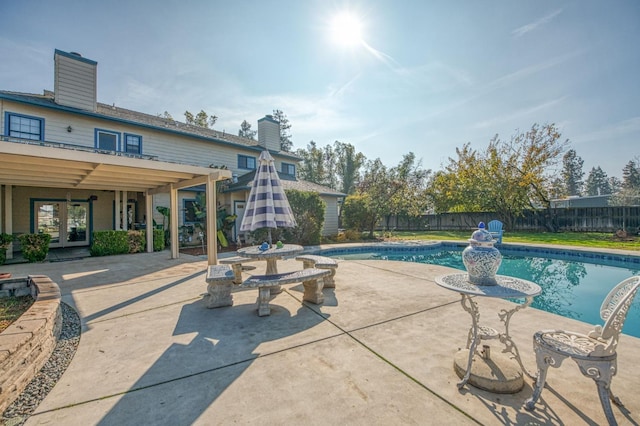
(584, 219)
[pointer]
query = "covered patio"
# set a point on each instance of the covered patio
(64, 166)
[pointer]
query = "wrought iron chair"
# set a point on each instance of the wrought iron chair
(595, 353)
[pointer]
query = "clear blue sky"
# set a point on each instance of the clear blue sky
(426, 77)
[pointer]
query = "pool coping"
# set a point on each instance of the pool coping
(609, 257)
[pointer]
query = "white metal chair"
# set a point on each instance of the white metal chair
(595, 353)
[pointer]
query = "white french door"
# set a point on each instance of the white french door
(66, 222)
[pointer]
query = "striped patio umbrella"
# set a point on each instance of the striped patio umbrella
(267, 206)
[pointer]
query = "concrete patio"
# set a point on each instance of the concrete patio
(378, 351)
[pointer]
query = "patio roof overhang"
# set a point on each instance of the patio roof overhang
(34, 165)
(53, 167)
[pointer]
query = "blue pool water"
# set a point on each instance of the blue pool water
(574, 283)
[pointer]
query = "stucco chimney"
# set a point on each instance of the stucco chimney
(269, 133)
(75, 80)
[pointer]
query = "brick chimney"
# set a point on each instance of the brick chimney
(269, 133)
(75, 81)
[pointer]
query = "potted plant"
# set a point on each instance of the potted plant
(5, 242)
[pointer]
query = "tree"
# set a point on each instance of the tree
(313, 166)
(246, 132)
(572, 173)
(285, 135)
(629, 191)
(202, 119)
(597, 183)
(348, 165)
(631, 176)
(507, 178)
(386, 192)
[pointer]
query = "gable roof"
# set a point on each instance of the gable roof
(127, 116)
(288, 182)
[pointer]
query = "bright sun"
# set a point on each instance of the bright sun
(346, 29)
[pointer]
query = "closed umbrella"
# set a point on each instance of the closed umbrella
(267, 206)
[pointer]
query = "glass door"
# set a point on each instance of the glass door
(66, 222)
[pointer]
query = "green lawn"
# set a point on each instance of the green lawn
(582, 239)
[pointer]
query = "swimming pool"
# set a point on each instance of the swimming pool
(574, 283)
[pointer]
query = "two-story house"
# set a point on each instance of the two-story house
(70, 165)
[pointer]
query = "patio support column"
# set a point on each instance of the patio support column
(173, 221)
(116, 210)
(125, 216)
(212, 232)
(8, 216)
(148, 203)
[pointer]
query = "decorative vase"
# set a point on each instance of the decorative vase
(481, 258)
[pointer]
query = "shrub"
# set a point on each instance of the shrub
(106, 243)
(308, 209)
(5, 241)
(355, 213)
(137, 241)
(158, 240)
(35, 247)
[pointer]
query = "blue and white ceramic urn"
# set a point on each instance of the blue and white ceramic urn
(481, 258)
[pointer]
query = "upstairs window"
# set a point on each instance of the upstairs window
(246, 162)
(106, 140)
(132, 144)
(288, 169)
(22, 126)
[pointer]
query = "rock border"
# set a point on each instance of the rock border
(27, 344)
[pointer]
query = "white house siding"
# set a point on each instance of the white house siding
(330, 215)
(75, 82)
(56, 124)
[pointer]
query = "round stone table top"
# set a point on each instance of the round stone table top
(506, 288)
(255, 252)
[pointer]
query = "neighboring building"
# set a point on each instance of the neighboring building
(575, 201)
(70, 165)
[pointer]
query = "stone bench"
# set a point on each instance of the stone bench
(311, 279)
(236, 263)
(320, 262)
(219, 284)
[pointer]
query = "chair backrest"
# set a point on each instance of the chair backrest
(495, 225)
(614, 311)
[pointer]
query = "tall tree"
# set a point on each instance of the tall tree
(629, 192)
(285, 134)
(597, 182)
(349, 163)
(245, 130)
(330, 166)
(313, 165)
(572, 173)
(631, 176)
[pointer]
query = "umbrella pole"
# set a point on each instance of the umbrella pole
(269, 238)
